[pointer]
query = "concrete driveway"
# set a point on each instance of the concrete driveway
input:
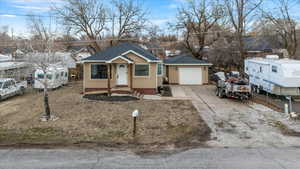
(237, 124)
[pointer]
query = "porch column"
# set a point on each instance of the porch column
(108, 79)
(131, 76)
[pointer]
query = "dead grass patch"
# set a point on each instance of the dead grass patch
(161, 123)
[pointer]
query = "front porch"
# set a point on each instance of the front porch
(118, 79)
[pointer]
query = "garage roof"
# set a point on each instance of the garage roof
(185, 60)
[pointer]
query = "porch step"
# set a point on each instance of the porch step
(137, 94)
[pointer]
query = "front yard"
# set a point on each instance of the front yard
(99, 123)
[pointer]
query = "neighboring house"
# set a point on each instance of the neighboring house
(16, 70)
(129, 68)
(186, 70)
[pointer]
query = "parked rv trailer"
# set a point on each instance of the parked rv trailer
(274, 75)
(55, 77)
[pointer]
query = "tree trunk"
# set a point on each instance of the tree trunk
(46, 103)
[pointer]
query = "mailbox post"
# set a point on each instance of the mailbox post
(135, 113)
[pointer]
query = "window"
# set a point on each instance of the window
(49, 76)
(66, 74)
(62, 74)
(40, 76)
(98, 71)
(274, 69)
(1, 84)
(12, 83)
(57, 76)
(159, 69)
(5, 86)
(141, 70)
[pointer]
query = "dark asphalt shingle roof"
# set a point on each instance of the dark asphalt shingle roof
(184, 59)
(118, 50)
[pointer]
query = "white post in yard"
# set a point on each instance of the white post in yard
(135, 113)
(286, 108)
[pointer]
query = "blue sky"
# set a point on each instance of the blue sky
(160, 12)
(12, 11)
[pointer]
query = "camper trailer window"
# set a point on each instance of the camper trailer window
(66, 74)
(1, 84)
(98, 72)
(260, 69)
(62, 74)
(49, 76)
(40, 76)
(57, 76)
(274, 69)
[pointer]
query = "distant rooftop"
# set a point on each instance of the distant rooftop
(185, 59)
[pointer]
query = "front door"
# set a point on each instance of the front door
(122, 74)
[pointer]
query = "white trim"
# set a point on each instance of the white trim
(143, 57)
(90, 61)
(149, 71)
(208, 64)
(110, 61)
(136, 54)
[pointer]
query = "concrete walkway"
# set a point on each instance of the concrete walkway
(236, 158)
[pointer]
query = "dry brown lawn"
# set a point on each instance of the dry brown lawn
(81, 121)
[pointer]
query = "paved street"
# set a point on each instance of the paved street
(235, 158)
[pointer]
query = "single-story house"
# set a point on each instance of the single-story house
(186, 70)
(125, 67)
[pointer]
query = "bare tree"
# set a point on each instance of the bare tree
(85, 17)
(129, 17)
(283, 24)
(153, 31)
(42, 56)
(199, 21)
(240, 14)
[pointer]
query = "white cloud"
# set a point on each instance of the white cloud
(8, 15)
(160, 22)
(172, 6)
(182, 1)
(39, 8)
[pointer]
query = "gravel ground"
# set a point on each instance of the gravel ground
(171, 124)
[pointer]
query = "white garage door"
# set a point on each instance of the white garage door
(190, 76)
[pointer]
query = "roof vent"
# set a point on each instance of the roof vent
(272, 57)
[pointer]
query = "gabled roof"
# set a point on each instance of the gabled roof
(185, 60)
(121, 50)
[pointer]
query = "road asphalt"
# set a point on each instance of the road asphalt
(204, 158)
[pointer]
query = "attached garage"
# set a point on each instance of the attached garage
(190, 76)
(186, 70)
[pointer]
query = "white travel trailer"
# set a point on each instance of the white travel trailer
(56, 76)
(274, 75)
